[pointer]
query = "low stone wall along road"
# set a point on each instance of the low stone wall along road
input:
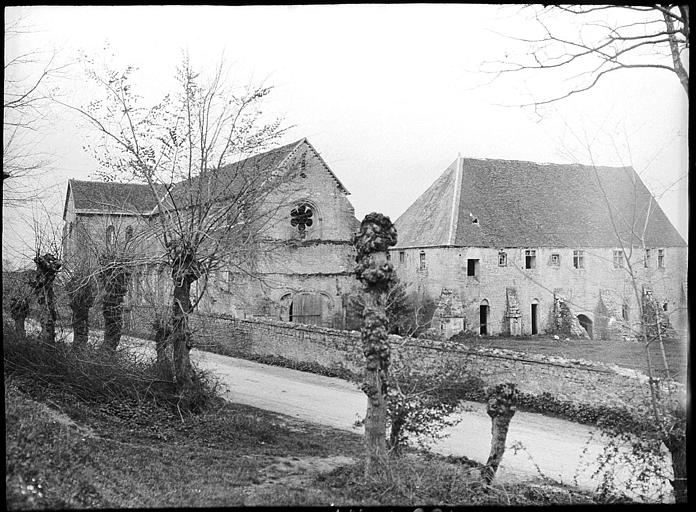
(555, 448)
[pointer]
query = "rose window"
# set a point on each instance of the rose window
(301, 217)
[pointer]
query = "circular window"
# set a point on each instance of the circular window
(301, 217)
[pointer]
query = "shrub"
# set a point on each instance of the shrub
(95, 375)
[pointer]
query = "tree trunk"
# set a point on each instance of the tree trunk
(48, 315)
(47, 267)
(81, 298)
(19, 325)
(80, 325)
(397, 424)
(114, 276)
(678, 452)
(112, 309)
(376, 272)
(501, 408)
(162, 338)
(675, 440)
(181, 336)
(19, 309)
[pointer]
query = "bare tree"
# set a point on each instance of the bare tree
(667, 402)
(609, 38)
(27, 97)
(210, 213)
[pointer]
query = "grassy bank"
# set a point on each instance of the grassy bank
(75, 446)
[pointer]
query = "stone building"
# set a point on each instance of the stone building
(304, 278)
(529, 248)
(501, 247)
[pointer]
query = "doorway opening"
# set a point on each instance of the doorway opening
(535, 327)
(586, 324)
(483, 317)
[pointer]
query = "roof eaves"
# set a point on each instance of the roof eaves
(67, 196)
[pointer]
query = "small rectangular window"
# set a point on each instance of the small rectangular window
(472, 267)
(660, 258)
(502, 259)
(618, 259)
(422, 261)
(579, 259)
(402, 256)
(555, 260)
(646, 261)
(530, 258)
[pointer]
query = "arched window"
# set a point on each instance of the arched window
(302, 217)
(624, 311)
(110, 235)
(70, 230)
(129, 233)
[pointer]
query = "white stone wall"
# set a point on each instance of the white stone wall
(446, 267)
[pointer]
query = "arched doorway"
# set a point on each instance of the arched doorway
(484, 311)
(586, 324)
(306, 308)
(286, 307)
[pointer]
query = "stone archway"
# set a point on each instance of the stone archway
(313, 308)
(586, 323)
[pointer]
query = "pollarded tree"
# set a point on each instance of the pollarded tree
(501, 406)
(81, 295)
(376, 273)
(47, 267)
(114, 275)
(196, 146)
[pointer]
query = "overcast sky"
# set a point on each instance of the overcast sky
(388, 94)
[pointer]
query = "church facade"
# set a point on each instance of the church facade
(305, 278)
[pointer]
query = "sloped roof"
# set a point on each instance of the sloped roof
(510, 203)
(133, 198)
(226, 182)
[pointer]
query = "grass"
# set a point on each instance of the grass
(228, 457)
(106, 459)
(73, 442)
(623, 353)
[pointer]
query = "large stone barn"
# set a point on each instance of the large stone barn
(512, 247)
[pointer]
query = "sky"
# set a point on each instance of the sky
(389, 95)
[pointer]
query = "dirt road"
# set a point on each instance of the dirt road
(558, 449)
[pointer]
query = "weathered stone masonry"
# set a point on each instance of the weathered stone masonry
(578, 381)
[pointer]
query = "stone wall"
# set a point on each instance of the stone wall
(577, 381)
(446, 268)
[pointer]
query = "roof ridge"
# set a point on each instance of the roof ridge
(591, 166)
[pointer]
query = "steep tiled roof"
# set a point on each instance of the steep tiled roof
(509, 203)
(136, 198)
(229, 179)
(114, 197)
